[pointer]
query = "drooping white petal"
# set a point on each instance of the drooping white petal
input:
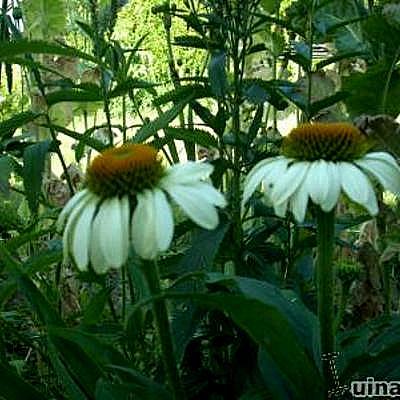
(81, 237)
(358, 187)
(280, 209)
(113, 243)
(73, 201)
(164, 218)
(71, 222)
(258, 173)
(333, 193)
(186, 173)
(385, 172)
(288, 183)
(125, 224)
(195, 203)
(317, 181)
(97, 259)
(382, 156)
(144, 226)
(298, 203)
(275, 171)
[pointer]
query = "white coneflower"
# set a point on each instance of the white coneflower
(127, 201)
(320, 161)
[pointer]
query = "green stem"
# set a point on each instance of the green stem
(325, 290)
(343, 300)
(160, 312)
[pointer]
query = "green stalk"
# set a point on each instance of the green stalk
(325, 291)
(160, 312)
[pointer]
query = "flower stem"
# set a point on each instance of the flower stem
(325, 291)
(160, 312)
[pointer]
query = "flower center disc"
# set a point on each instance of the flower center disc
(326, 141)
(124, 170)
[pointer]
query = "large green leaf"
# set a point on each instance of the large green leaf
(34, 163)
(372, 349)
(367, 91)
(270, 328)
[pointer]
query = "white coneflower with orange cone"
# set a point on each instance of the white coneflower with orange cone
(318, 162)
(127, 201)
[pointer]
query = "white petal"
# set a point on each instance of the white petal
(72, 202)
(317, 181)
(97, 258)
(288, 183)
(333, 194)
(358, 187)
(186, 173)
(164, 219)
(298, 203)
(275, 172)
(144, 226)
(81, 236)
(280, 209)
(196, 203)
(125, 224)
(71, 222)
(385, 172)
(114, 245)
(382, 156)
(258, 173)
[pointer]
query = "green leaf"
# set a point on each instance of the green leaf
(197, 136)
(6, 168)
(130, 84)
(74, 95)
(259, 91)
(15, 388)
(264, 322)
(319, 105)
(302, 55)
(151, 128)
(371, 350)
(8, 127)
(200, 256)
(339, 57)
(184, 91)
(34, 162)
(217, 73)
(127, 391)
(143, 387)
(94, 309)
(85, 138)
(367, 91)
(195, 42)
(42, 261)
(24, 46)
(72, 389)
